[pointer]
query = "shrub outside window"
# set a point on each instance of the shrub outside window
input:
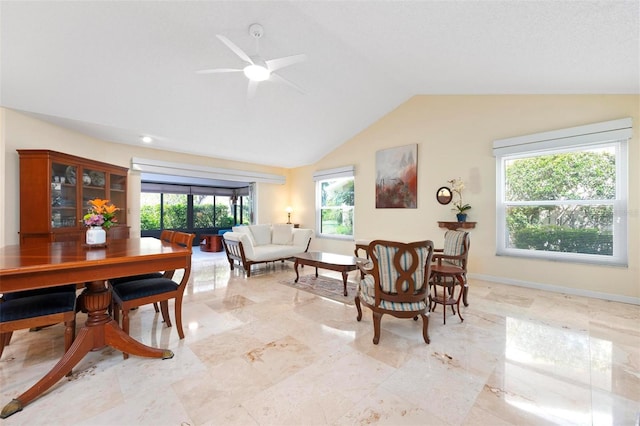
(191, 208)
(564, 204)
(335, 200)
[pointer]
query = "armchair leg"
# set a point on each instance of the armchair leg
(377, 316)
(464, 294)
(357, 300)
(425, 328)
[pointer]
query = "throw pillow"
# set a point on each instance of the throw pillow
(261, 234)
(282, 233)
(246, 231)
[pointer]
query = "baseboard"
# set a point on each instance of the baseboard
(558, 289)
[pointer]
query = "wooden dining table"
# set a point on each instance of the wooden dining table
(39, 265)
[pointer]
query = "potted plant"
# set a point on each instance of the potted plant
(101, 216)
(460, 207)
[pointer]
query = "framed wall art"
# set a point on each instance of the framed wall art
(397, 177)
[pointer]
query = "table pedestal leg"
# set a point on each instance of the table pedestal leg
(99, 331)
(295, 265)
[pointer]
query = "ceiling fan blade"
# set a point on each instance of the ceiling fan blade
(275, 64)
(251, 89)
(218, 70)
(276, 77)
(235, 49)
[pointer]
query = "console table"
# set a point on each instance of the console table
(457, 225)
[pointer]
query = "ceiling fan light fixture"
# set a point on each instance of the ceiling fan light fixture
(256, 72)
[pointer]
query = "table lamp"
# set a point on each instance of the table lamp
(288, 210)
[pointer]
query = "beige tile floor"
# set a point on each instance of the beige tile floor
(260, 353)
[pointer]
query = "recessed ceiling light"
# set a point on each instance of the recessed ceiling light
(147, 139)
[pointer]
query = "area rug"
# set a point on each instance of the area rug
(330, 288)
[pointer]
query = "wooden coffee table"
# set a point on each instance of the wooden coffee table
(333, 262)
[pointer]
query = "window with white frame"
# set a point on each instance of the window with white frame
(562, 195)
(335, 202)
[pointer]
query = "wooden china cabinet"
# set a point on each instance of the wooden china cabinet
(55, 189)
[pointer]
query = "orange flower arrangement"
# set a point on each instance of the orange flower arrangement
(101, 213)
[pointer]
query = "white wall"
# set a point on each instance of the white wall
(5, 182)
(455, 136)
(24, 132)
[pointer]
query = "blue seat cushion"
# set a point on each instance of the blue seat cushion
(37, 292)
(143, 288)
(117, 281)
(38, 305)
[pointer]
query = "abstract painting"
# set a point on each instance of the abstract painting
(397, 177)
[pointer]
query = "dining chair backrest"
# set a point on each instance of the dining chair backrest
(167, 235)
(183, 239)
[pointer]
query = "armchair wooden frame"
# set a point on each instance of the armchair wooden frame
(404, 298)
(460, 259)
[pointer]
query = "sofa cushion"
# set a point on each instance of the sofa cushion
(301, 237)
(274, 252)
(244, 230)
(282, 233)
(261, 234)
(244, 239)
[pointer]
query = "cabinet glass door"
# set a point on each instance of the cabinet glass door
(93, 186)
(118, 194)
(63, 196)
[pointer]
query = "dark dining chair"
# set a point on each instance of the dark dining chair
(396, 282)
(38, 308)
(138, 292)
(167, 236)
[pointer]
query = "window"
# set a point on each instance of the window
(563, 195)
(335, 202)
(150, 211)
(192, 208)
(174, 211)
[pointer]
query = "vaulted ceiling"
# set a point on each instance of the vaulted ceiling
(121, 70)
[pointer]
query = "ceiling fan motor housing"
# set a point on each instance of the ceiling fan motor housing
(256, 30)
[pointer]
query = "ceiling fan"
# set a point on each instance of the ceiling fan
(257, 69)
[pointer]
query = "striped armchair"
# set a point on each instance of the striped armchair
(395, 282)
(455, 253)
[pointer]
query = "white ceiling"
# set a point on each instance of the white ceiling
(120, 70)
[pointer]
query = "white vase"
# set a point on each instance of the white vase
(96, 235)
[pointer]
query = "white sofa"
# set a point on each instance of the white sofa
(252, 244)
